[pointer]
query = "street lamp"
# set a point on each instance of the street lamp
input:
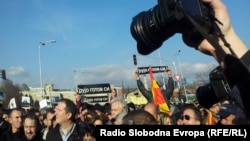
(164, 86)
(40, 64)
(181, 72)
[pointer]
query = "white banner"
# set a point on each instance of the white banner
(25, 101)
(12, 103)
(43, 103)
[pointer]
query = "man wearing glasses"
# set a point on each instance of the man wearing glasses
(191, 116)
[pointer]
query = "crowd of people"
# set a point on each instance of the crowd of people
(76, 120)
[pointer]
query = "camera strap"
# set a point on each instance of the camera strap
(213, 42)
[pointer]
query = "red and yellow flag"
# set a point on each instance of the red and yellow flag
(157, 94)
(209, 119)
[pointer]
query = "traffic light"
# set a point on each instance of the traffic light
(134, 58)
(3, 74)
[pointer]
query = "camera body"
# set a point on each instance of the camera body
(219, 83)
(216, 90)
(151, 28)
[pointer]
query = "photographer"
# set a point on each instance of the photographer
(233, 56)
(205, 25)
(235, 63)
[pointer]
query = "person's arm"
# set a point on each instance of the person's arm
(146, 93)
(238, 47)
(77, 100)
(170, 86)
(109, 100)
(170, 79)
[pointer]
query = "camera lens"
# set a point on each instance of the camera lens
(148, 30)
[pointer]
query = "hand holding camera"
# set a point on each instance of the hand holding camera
(204, 25)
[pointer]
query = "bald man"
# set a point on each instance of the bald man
(153, 110)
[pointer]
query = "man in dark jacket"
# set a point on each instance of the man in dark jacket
(148, 93)
(32, 128)
(15, 132)
(66, 128)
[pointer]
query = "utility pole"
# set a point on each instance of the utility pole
(43, 43)
(181, 74)
(163, 80)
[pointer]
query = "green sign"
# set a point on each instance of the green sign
(183, 81)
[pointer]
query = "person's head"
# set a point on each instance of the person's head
(165, 119)
(38, 113)
(153, 110)
(89, 133)
(176, 92)
(99, 121)
(139, 117)
(90, 117)
(48, 117)
(118, 119)
(118, 105)
(215, 109)
(191, 116)
(4, 113)
(15, 119)
(43, 112)
(65, 111)
(84, 109)
(107, 112)
(31, 126)
(113, 92)
(176, 118)
(99, 109)
(227, 114)
(131, 106)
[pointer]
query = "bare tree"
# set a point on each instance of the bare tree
(202, 77)
(25, 87)
(10, 91)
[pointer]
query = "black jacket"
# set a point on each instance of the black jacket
(54, 134)
(38, 137)
(7, 135)
(4, 125)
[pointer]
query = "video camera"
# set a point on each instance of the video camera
(151, 28)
